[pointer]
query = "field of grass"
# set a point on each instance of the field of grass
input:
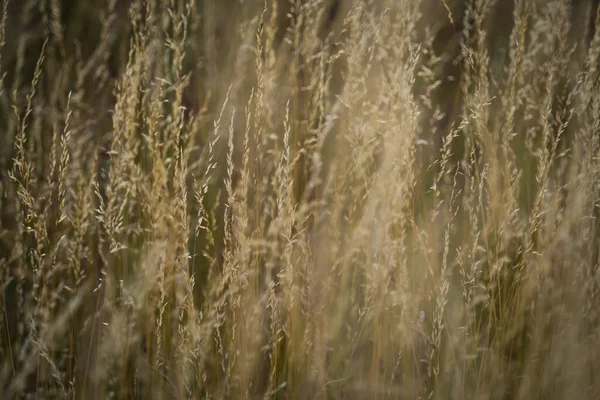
(300, 199)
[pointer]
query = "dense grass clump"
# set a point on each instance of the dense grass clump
(311, 199)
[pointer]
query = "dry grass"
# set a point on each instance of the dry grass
(300, 199)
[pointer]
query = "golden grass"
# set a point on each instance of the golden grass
(300, 199)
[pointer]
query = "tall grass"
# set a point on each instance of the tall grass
(300, 199)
